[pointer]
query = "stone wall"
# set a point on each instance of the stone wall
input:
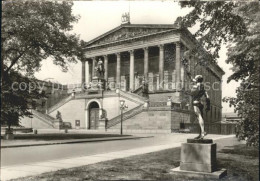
(71, 111)
(111, 105)
(163, 96)
(34, 123)
(178, 117)
(159, 120)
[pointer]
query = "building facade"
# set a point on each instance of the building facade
(134, 54)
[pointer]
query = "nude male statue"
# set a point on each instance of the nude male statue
(197, 92)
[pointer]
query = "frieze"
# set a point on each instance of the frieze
(125, 34)
(137, 44)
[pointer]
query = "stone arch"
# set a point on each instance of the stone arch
(94, 103)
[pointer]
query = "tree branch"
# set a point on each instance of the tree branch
(14, 61)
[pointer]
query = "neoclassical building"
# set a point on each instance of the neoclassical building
(133, 54)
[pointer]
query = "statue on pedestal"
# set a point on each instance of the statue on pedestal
(100, 70)
(58, 116)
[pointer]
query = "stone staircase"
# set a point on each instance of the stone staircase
(133, 97)
(44, 117)
(138, 91)
(60, 103)
(130, 113)
(126, 115)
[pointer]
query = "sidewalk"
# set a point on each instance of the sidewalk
(25, 143)
(12, 172)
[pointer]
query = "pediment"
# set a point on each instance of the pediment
(122, 33)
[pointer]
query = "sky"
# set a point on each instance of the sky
(98, 17)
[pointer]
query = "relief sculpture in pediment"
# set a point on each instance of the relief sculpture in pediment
(124, 34)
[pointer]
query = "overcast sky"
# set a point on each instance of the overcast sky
(99, 17)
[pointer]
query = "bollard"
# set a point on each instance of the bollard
(66, 130)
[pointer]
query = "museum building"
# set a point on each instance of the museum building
(143, 69)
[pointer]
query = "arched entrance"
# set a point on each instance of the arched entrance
(93, 115)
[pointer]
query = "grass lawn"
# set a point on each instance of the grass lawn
(61, 136)
(240, 161)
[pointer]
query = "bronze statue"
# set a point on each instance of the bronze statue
(100, 69)
(58, 116)
(197, 92)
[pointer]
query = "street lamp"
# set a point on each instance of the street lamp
(123, 106)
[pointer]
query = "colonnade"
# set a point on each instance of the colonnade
(161, 47)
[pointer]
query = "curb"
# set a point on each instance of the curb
(77, 141)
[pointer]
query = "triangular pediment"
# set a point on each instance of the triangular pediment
(125, 32)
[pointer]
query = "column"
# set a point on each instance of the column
(83, 76)
(93, 67)
(178, 65)
(106, 67)
(90, 71)
(132, 70)
(146, 69)
(118, 68)
(88, 74)
(161, 63)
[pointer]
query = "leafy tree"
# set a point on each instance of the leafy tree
(31, 32)
(237, 25)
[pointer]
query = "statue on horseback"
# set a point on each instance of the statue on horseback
(100, 70)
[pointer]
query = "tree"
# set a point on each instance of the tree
(31, 32)
(237, 25)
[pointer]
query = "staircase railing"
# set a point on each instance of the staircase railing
(133, 96)
(126, 115)
(138, 91)
(44, 117)
(60, 103)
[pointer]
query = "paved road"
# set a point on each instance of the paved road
(26, 155)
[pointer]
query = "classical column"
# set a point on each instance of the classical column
(83, 76)
(178, 65)
(87, 73)
(146, 69)
(93, 67)
(132, 71)
(161, 63)
(118, 68)
(90, 71)
(106, 67)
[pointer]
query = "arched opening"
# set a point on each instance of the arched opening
(93, 115)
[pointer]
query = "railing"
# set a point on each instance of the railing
(44, 117)
(138, 91)
(60, 103)
(132, 96)
(158, 104)
(126, 115)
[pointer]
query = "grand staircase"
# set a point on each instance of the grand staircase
(126, 115)
(130, 113)
(44, 117)
(60, 103)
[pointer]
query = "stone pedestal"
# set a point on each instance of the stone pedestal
(199, 159)
(57, 124)
(102, 124)
(97, 83)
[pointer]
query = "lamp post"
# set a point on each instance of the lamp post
(123, 106)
